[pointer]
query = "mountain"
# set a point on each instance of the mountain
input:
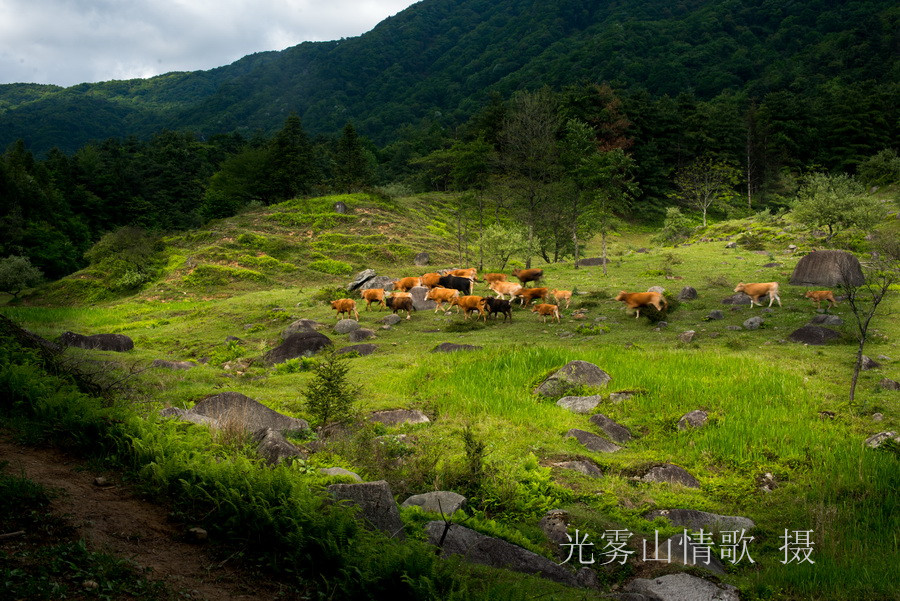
(440, 60)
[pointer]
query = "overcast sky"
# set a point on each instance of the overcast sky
(66, 42)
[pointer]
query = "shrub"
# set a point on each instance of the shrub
(331, 266)
(17, 274)
(881, 169)
(676, 228)
(128, 257)
(330, 396)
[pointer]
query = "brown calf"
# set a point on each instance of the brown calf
(442, 295)
(545, 309)
(405, 284)
(822, 295)
(490, 278)
(345, 305)
(528, 275)
(430, 280)
(754, 291)
(562, 295)
(636, 300)
(373, 295)
(469, 273)
(502, 288)
(529, 294)
(470, 303)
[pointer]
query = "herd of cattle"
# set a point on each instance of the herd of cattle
(455, 287)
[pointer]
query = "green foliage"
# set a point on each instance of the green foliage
(881, 169)
(208, 276)
(295, 366)
(17, 274)
(501, 242)
(835, 202)
(233, 349)
(591, 329)
(330, 397)
(128, 257)
(676, 227)
(331, 266)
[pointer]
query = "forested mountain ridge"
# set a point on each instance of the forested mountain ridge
(440, 59)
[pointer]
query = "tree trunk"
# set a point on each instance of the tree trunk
(857, 367)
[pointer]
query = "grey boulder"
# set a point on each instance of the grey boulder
(614, 430)
(376, 505)
(693, 519)
(233, 408)
(302, 344)
(671, 474)
(592, 442)
(573, 375)
(678, 587)
(579, 404)
(439, 501)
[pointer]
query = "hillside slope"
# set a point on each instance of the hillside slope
(440, 58)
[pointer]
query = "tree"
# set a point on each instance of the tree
(291, 171)
(330, 396)
(704, 182)
(500, 242)
(352, 169)
(882, 274)
(17, 274)
(835, 202)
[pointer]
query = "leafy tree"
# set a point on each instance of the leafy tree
(880, 169)
(835, 202)
(17, 273)
(330, 396)
(500, 243)
(676, 227)
(705, 182)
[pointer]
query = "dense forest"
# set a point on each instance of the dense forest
(559, 116)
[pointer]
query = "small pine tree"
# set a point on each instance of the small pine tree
(330, 396)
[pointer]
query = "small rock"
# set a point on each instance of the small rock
(693, 519)
(815, 335)
(440, 501)
(391, 320)
(176, 365)
(360, 335)
(376, 503)
(621, 396)
(869, 363)
(449, 347)
(592, 442)
(197, 535)
(345, 326)
(687, 293)
(583, 466)
(339, 471)
(687, 337)
(753, 323)
(876, 440)
(579, 404)
(827, 320)
(617, 432)
(423, 258)
(658, 289)
(671, 474)
(877, 417)
(888, 384)
(573, 374)
(731, 245)
(678, 587)
(734, 328)
(101, 481)
(397, 417)
(90, 585)
(361, 278)
(694, 419)
(715, 315)
(362, 349)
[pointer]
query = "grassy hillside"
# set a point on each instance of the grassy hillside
(775, 407)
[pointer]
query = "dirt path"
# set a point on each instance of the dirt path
(112, 520)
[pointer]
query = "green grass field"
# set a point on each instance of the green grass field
(775, 407)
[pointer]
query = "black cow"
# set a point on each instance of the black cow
(400, 303)
(498, 305)
(464, 285)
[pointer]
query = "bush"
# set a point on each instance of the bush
(677, 227)
(881, 169)
(331, 266)
(17, 273)
(129, 258)
(330, 397)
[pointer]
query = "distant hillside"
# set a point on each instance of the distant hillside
(439, 59)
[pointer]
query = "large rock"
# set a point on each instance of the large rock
(693, 519)
(816, 335)
(98, 342)
(360, 335)
(614, 430)
(678, 587)
(421, 259)
(693, 419)
(574, 374)
(233, 408)
(362, 349)
(272, 446)
(583, 466)
(300, 325)
(888, 384)
(592, 262)
(671, 474)
(687, 293)
(555, 525)
(579, 404)
(379, 281)
(481, 549)
(376, 504)
(826, 320)
(592, 442)
(302, 344)
(361, 278)
(439, 501)
(420, 303)
(876, 440)
(828, 268)
(396, 417)
(391, 320)
(345, 326)
(186, 416)
(449, 347)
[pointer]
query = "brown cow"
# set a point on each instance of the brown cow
(401, 303)
(372, 295)
(822, 295)
(470, 303)
(490, 278)
(345, 305)
(529, 294)
(442, 295)
(754, 291)
(546, 309)
(405, 284)
(562, 295)
(469, 273)
(502, 288)
(528, 275)
(430, 280)
(636, 300)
